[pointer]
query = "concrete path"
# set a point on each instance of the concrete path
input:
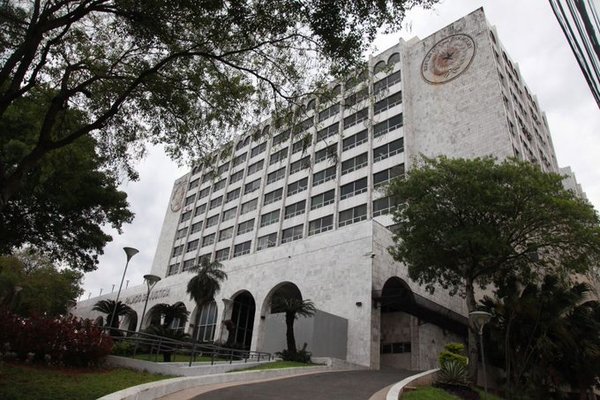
(346, 385)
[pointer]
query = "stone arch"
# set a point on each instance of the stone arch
(393, 59)
(337, 89)
(242, 320)
(311, 104)
(203, 322)
(396, 295)
(380, 66)
(130, 321)
(286, 289)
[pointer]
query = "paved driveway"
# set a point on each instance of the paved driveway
(346, 385)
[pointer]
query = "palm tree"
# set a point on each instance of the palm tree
(293, 308)
(108, 306)
(169, 312)
(203, 286)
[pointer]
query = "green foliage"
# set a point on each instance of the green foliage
(453, 373)
(44, 289)
(453, 352)
(108, 307)
(21, 382)
(428, 393)
(169, 312)
(301, 356)
(292, 307)
(123, 348)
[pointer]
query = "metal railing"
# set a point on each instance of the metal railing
(156, 346)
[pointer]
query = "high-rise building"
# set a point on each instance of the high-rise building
(300, 210)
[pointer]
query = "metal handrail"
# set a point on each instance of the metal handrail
(160, 344)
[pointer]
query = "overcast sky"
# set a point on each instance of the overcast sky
(531, 36)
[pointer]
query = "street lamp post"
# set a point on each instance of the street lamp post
(130, 252)
(479, 319)
(151, 281)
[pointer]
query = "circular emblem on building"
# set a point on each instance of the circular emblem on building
(448, 58)
(178, 195)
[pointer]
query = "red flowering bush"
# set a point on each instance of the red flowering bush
(66, 341)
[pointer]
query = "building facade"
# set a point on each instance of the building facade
(301, 210)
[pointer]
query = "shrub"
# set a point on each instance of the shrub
(302, 356)
(123, 348)
(453, 352)
(65, 341)
(453, 373)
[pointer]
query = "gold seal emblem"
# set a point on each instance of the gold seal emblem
(448, 58)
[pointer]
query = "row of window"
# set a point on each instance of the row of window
(346, 217)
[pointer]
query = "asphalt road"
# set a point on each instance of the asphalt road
(346, 385)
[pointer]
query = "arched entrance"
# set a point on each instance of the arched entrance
(286, 290)
(204, 322)
(242, 318)
(131, 321)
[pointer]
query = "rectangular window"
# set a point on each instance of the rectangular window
(356, 118)
(355, 140)
(282, 137)
(273, 196)
(329, 112)
(234, 194)
(386, 82)
(236, 177)
(177, 251)
(229, 214)
(181, 233)
(197, 227)
(276, 175)
(297, 187)
(256, 150)
(185, 216)
(212, 221)
(355, 163)
(264, 242)
(388, 125)
(208, 175)
(214, 203)
(219, 185)
(191, 246)
(226, 233)
(382, 206)
(320, 225)
(194, 184)
(356, 214)
(223, 168)
(302, 126)
(280, 156)
(200, 210)
(300, 146)
(356, 98)
(242, 248)
(249, 206)
(252, 186)
(322, 199)
(383, 177)
(239, 160)
(208, 240)
(257, 166)
(222, 254)
(188, 264)
(203, 193)
(327, 152)
(295, 209)
(331, 130)
(388, 102)
(299, 165)
(173, 269)
(388, 150)
(189, 200)
(245, 226)
(353, 188)
(324, 176)
(291, 234)
(269, 218)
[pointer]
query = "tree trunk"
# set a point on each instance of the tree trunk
(473, 351)
(289, 333)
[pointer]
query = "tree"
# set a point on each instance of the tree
(293, 308)
(547, 336)
(465, 224)
(31, 285)
(204, 286)
(108, 307)
(167, 72)
(65, 200)
(169, 313)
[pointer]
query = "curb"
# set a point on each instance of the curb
(423, 378)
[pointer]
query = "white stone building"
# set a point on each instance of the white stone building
(301, 211)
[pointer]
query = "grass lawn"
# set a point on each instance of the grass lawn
(175, 358)
(432, 393)
(24, 382)
(277, 365)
